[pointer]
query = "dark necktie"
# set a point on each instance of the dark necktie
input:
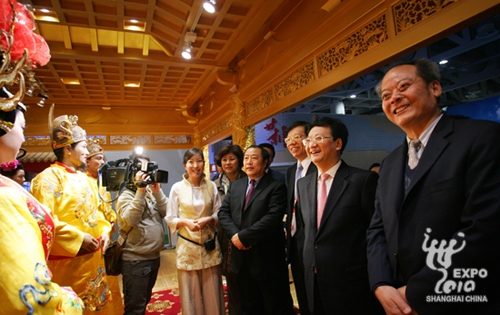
(293, 221)
(249, 193)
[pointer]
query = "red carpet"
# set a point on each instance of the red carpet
(164, 303)
(167, 302)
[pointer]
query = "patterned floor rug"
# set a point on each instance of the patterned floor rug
(167, 302)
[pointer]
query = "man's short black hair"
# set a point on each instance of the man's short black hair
(298, 123)
(337, 128)
(264, 153)
(269, 146)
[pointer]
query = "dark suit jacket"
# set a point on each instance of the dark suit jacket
(259, 226)
(290, 199)
(338, 249)
(455, 188)
(277, 175)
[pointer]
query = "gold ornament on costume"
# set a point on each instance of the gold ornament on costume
(94, 148)
(21, 49)
(65, 130)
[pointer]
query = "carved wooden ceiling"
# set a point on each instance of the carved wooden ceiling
(119, 62)
(118, 65)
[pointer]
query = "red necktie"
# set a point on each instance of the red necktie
(322, 197)
(249, 193)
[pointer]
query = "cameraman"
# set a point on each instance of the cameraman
(142, 207)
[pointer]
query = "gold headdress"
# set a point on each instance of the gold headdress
(20, 51)
(64, 130)
(94, 148)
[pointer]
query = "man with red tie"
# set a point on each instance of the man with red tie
(336, 204)
(251, 216)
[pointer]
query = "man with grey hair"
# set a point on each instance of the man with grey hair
(441, 186)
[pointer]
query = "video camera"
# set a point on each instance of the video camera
(121, 173)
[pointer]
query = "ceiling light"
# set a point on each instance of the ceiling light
(209, 6)
(186, 52)
(138, 150)
(46, 15)
(70, 81)
(189, 38)
(132, 84)
(134, 25)
(443, 62)
(353, 96)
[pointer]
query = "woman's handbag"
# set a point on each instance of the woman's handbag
(113, 254)
(208, 244)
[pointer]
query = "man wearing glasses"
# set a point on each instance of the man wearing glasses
(336, 204)
(294, 230)
(441, 186)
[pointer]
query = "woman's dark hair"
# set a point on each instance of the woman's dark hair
(192, 152)
(60, 152)
(12, 173)
(234, 149)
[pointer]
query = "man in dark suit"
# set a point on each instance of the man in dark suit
(251, 216)
(294, 230)
(336, 204)
(272, 153)
(444, 189)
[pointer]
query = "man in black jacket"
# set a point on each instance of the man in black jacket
(251, 216)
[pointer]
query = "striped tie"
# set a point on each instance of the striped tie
(414, 146)
(249, 193)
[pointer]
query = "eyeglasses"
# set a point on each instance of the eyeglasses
(295, 138)
(315, 139)
(401, 87)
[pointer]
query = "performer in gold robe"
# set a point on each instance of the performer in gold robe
(28, 230)
(73, 197)
(95, 159)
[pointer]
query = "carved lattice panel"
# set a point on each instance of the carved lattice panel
(261, 102)
(408, 13)
(215, 129)
(356, 44)
(299, 78)
(129, 139)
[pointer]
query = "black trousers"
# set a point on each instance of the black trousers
(266, 295)
(297, 265)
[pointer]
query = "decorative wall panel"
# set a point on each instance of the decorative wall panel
(356, 44)
(37, 141)
(102, 139)
(261, 102)
(129, 139)
(168, 139)
(407, 13)
(302, 76)
(40, 141)
(215, 129)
